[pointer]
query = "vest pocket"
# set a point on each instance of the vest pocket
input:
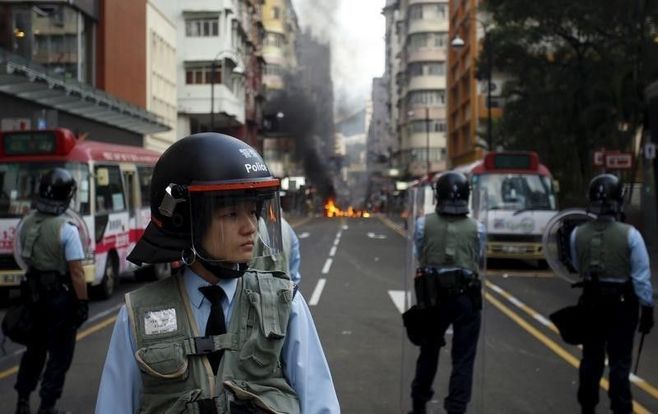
(164, 360)
(266, 332)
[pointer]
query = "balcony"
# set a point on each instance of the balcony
(426, 82)
(427, 54)
(427, 25)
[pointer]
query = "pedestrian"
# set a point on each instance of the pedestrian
(613, 264)
(216, 337)
(449, 247)
(55, 285)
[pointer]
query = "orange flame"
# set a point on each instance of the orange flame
(331, 210)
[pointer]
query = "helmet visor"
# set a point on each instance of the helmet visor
(235, 226)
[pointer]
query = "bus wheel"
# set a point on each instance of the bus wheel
(110, 278)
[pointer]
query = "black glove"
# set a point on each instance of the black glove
(81, 313)
(646, 320)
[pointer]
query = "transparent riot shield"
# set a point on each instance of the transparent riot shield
(420, 201)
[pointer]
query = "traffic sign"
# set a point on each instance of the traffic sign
(599, 158)
(620, 161)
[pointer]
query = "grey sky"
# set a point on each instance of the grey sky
(355, 30)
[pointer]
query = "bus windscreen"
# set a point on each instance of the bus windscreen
(29, 143)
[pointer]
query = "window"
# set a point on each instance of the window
(202, 27)
(419, 125)
(441, 11)
(427, 98)
(109, 189)
(426, 69)
(145, 174)
(201, 74)
(272, 69)
(276, 13)
(416, 12)
(275, 39)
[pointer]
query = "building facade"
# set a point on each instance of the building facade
(467, 104)
(416, 60)
(61, 66)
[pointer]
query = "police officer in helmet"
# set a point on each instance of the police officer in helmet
(55, 285)
(613, 263)
(449, 246)
(217, 337)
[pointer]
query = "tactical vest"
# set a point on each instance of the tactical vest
(450, 241)
(40, 238)
(603, 251)
(176, 375)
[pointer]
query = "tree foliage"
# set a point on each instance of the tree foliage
(578, 71)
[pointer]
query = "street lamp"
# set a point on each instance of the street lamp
(238, 70)
(458, 43)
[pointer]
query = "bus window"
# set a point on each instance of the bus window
(109, 190)
(145, 174)
(129, 185)
(19, 186)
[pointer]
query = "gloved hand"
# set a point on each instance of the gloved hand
(81, 313)
(646, 320)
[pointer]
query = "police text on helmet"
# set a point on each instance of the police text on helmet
(258, 166)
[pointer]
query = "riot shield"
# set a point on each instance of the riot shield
(73, 218)
(556, 241)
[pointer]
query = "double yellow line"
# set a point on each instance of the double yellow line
(551, 344)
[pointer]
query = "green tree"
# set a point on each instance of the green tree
(578, 71)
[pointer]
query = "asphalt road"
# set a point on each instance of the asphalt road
(353, 277)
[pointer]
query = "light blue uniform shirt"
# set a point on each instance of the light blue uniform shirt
(419, 236)
(295, 258)
(304, 363)
(640, 270)
(70, 239)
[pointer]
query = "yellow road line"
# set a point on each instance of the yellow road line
(81, 335)
(388, 223)
(552, 345)
(639, 382)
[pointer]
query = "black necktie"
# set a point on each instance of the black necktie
(216, 324)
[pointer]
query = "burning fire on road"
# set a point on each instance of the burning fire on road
(332, 210)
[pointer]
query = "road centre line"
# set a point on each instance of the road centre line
(332, 252)
(327, 266)
(317, 292)
(552, 345)
(636, 380)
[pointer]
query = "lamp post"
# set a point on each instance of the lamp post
(458, 43)
(238, 70)
(427, 134)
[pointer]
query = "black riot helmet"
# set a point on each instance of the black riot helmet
(606, 195)
(452, 192)
(56, 189)
(208, 190)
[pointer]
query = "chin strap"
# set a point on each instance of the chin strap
(221, 270)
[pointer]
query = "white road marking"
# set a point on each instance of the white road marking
(317, 292)
(327, 266)
(332, 252)
(398, 299)
(303, 235)
(336, 242)
(372, 235)
(345, 227)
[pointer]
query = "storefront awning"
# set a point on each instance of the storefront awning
(34, 83)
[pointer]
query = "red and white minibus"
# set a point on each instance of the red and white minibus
(112, 198)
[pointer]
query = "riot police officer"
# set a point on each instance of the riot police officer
(449, 247)
(56, 286)
(217, 337)
(613, 263)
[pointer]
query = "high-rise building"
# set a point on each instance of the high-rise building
(416, 58)
(469, 124)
